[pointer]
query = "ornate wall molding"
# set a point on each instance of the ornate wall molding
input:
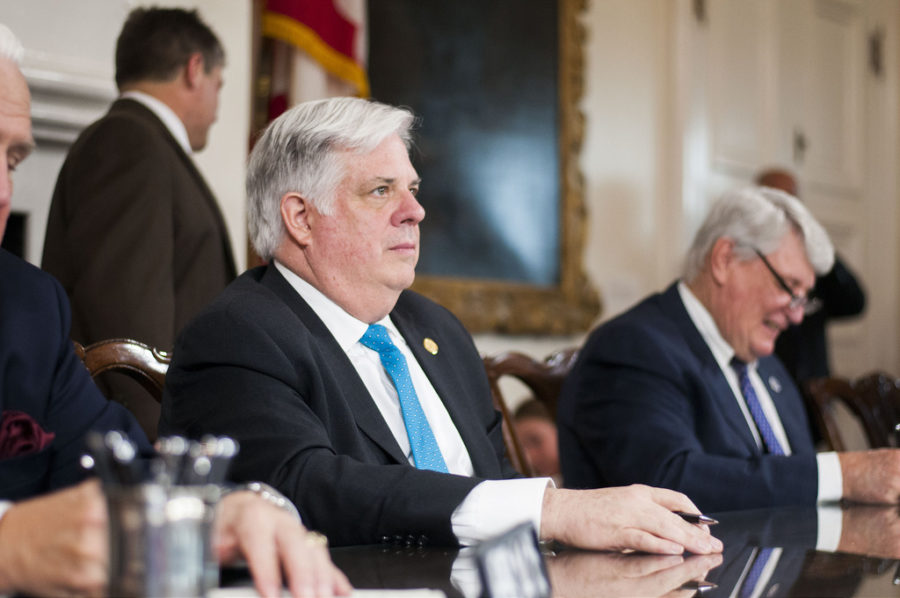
(65, 97)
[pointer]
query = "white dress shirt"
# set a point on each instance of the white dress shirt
(165, 114)
(493, 506)
(829, 467)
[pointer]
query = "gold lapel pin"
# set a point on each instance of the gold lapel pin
(430, 346)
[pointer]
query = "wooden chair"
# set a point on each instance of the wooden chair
(874, 399)
(543, 378)
(136, 360)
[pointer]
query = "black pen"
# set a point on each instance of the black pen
(697, 586)
(696, 518)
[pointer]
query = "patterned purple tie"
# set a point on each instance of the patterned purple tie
(756, 569)
(425, 449)
(762, 423)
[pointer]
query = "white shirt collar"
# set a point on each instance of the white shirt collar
(165, 114)
(345, 329)
(706, 325)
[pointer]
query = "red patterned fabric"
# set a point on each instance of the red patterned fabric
(21, 435)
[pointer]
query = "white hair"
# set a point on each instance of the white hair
(299, 152)
(10, 46)
(758, 218)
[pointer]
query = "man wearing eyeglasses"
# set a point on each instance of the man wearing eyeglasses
(682, 391)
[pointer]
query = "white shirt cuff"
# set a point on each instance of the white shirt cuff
(831, 482)
(494, 506)
(831, 521)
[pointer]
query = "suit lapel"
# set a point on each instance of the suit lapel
(444, 376)
(368, 417)
(717, 384)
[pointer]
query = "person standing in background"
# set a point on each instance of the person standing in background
(134, 234)
(803, 348)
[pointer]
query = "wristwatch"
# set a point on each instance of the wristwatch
(269, 494)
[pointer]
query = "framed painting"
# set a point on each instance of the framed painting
(496, 86)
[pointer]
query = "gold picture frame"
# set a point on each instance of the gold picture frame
(572, 305)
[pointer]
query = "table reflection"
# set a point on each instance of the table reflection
(773, 553)
(577, 574)
(768, 553)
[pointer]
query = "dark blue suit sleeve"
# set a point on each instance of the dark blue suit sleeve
(40, 375)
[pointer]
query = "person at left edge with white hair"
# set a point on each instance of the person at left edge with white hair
(53, 527)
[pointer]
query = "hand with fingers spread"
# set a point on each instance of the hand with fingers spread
(634, 517)
(271, 541)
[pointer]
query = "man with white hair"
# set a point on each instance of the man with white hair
(682, 390)
(365, 403)
(53, 530)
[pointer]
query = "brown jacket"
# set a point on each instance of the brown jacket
(134, 234)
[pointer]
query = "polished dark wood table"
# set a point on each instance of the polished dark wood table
(768, 553)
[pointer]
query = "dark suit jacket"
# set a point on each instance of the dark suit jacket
(41, 376)
(647, 403)
(260, 366)
(134, 234)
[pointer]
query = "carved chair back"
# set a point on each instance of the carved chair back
(874, 399)
(138, 361)
(543, 378)
(143, 363)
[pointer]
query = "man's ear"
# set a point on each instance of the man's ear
(194, 69)
(295, 213)
(721, 259)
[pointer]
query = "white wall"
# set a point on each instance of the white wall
(623, 160)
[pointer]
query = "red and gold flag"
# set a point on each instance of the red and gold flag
(321, 29)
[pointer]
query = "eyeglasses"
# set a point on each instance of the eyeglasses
(808, 304)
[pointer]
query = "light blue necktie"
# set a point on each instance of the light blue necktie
(425, 450)
(762, 423)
